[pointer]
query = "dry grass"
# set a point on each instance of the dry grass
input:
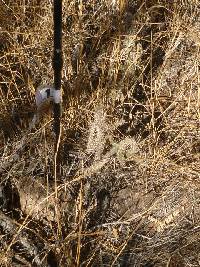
(128, 191)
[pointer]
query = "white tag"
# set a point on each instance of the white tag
(44, 93)
(57, 96)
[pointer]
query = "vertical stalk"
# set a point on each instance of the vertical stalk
(57, 66)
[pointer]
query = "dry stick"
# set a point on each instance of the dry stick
(80, 221)
(10, 227)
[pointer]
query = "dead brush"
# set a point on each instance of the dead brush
(128, 193)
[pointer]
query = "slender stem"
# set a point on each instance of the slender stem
(57, 66)
(57, 63)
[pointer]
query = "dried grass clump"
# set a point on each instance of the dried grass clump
(128, 189)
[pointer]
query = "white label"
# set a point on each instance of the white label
(57, 96)
(42, 95)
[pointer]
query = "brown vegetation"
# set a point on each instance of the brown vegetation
(128, 192)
